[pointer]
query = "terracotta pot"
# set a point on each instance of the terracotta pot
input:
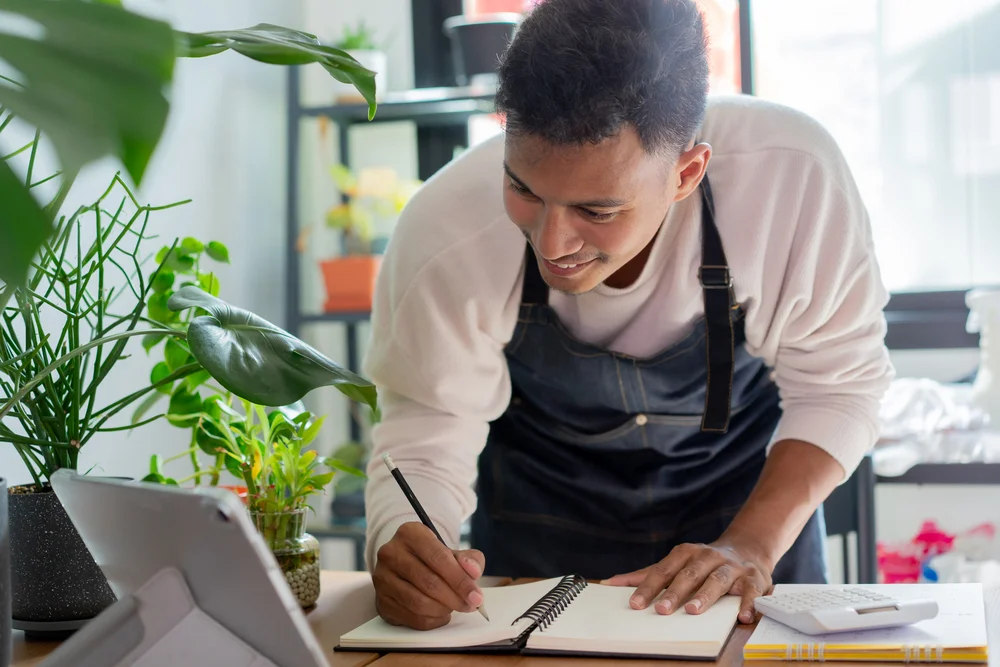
(350, 282)
(240, 491)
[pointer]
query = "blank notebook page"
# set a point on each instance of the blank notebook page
(504, 604)
(600, 619)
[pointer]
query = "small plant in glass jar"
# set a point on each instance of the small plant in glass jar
(281, 476)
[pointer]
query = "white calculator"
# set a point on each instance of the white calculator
(816, 611)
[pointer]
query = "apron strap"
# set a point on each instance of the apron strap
(716, 283)
(534, 290)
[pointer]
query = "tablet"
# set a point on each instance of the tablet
(141, 532)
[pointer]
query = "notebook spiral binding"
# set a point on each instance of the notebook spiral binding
(550, 605)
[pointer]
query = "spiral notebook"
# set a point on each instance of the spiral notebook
(956, 634)
(561, 616)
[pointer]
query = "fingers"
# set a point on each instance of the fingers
(419, 581)
(749, 588)
(472, 561)
(657, 577)
(718, 583)
(688, 580)
(400, 603)
(629, 579)
(436, 571)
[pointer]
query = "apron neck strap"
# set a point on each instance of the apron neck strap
(717, 290)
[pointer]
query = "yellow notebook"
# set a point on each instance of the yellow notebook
(956, 634)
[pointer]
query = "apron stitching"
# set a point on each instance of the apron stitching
(621, 385)
(642, 387)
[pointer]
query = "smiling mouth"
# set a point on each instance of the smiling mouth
(563, 270)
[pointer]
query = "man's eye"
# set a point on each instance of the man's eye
(517, 188)
(597, 217)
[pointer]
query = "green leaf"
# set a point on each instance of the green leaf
(195, 380)
(337, 465)
(218, 252)
(185, 406)
(155, 462)
(147, 404)
(234, 466)
(95, 82)
(192, 246)
(154, 478)
(209, 439)
(209, 283)
(177, 260)
(150, 341)
(257, 360)
(322, 480)
(159, 372)
(175, 354)
(312, 431)
(23, 226)
(163, 281)
(157, 309)
(282, 46)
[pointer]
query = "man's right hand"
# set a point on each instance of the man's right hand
(419, 581)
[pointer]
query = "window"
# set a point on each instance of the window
(910, 89)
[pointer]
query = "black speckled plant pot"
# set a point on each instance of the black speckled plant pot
(5, 645)
(56, 585)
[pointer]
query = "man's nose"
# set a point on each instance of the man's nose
(557, 236)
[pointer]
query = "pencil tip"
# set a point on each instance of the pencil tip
(482, 610)
(387, 460)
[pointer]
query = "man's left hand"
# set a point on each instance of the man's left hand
(695, 576)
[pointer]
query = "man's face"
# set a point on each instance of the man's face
(591, 211)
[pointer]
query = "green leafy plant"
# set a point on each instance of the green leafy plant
(359, 38)
(69, 326)
(94, 79)
(182, 264)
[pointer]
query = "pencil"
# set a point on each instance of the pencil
(418, 508)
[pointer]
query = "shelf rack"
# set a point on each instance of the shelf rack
(441, 117)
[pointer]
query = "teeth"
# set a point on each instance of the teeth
(566, 266)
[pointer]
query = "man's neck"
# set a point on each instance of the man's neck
(628, 274)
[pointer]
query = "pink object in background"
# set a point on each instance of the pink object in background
(475, 8)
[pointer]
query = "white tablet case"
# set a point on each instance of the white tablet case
(159, 625)
(145, 537)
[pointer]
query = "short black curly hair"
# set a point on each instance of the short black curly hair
(577, 71)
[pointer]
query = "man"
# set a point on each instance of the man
(638, 338)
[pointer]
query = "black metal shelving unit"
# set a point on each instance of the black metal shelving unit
(441, 117)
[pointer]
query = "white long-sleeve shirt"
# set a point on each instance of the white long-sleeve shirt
(797, 238)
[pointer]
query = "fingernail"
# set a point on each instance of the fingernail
(476, 599)
(746, 617)
(664, 606)
(475, 568)
(694, 605)
(637, 601)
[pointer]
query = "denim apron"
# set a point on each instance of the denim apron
(603, 462)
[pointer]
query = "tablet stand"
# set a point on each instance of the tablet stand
(160, 625)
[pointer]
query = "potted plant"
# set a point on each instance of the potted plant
(63, 326)
(359, 42)
(370, 205)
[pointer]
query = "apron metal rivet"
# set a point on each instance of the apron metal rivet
(641, 420)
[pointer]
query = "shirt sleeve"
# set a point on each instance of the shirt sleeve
(440, 321)
(826, 326)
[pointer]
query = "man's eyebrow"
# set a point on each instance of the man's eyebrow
(594, 203)
(513, 176)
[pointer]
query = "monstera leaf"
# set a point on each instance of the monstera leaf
(283, 46)
(257, 360)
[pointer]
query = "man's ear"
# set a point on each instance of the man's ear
(690, 169)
